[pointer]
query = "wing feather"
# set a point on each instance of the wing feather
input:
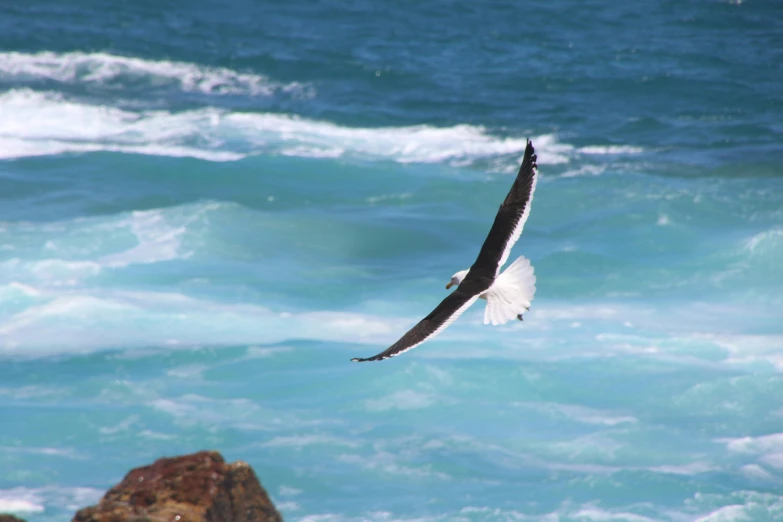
(510, 219)
(438, 320)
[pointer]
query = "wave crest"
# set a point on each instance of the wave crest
(40, 123)
(109, 70)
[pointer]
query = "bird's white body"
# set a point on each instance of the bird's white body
(511, 293)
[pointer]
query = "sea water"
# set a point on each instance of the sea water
(207, 209)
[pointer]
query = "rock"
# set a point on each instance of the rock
(10, 518)
(199, 487)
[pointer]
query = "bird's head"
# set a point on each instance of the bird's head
(457, 278)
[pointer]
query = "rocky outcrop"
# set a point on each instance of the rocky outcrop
(10, 518)
(199, 487)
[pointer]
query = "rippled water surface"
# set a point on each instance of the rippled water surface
(207, 210)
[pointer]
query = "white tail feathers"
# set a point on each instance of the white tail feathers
(511, 293)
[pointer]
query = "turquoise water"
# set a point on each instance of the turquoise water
(206, 211)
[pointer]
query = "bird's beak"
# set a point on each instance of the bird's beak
(449, 285)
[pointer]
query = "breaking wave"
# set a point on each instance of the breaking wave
(103, 69)
(37, 124)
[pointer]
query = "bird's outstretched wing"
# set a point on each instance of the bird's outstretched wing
(494, 252)
(438, 320)
(509, 220)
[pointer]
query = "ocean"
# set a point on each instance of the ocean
(208, 208)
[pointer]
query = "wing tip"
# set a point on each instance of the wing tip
(530, 159)
(530, 151)
(368, 359)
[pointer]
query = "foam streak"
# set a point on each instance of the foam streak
(35, 123)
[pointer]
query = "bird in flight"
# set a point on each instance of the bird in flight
(509, 294)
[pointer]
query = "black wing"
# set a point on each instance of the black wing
(509, 220)
(443, 315)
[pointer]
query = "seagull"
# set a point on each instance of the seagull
(509, 294)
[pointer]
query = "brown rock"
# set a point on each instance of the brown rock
(199, 487)
(10, 518)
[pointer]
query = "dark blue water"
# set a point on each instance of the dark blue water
(207, 210)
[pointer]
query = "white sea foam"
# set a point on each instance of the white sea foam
(288, 491)
(13, 148)
(139, 237)
(670, 334)
(26, 290)
(159, 235)
(12, 505)
(121, 427)
(49, 452)
(569, 511)
(54, 272)
(20, 500)
(767, 450)
(26, 501)
(153, 435)
(196, 409)
(757, 472)
(37, 123)
(300, 441)
(79, 318)
(256, 352)
(584, 170)
(416, 144)
(594, 447)
(109, 69)
(401, 400)
(313, 152)
(597, 514)
(732, 513)
(391, 464)
(610, 149)
(772, 443)
(34, 392)
(287, 505)
(465, 514)
(769, 240)
(750, 349)
(237, 413)
(774, 460)
(584, 414)
(82, 322)
(693, 468)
